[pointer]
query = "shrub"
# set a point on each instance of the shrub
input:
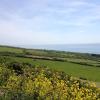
(41, 83)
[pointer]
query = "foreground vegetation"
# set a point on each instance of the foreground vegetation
(21, 81)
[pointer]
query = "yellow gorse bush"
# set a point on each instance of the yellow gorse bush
(41, 83)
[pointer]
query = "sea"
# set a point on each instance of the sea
(82, 48)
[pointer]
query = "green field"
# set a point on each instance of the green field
(81, 71)
(71, 64)
(9, 49)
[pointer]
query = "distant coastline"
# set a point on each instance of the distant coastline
(82, 48)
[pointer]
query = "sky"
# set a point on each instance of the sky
(29, 22)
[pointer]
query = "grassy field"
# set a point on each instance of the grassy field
(82, 71)
(9, 49)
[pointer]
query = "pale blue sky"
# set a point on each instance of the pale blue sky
(29, 22)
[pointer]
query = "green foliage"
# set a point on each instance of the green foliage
(42, 83)
(17, 67)
(4, 74)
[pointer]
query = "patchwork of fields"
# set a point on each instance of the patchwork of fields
(70, 66)
(44, 74)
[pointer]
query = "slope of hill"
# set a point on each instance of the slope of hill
(46, 74)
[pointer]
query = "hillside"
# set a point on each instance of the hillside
(48, 75)
(69, 62)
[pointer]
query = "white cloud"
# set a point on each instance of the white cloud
(41, 22)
